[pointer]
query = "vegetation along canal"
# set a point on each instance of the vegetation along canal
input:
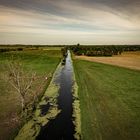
(62, 127)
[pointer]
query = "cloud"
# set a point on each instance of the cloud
(80, 18)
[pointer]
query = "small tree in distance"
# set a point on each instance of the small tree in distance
(78, 44)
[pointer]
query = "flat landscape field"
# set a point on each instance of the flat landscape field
(126, 59)
(43, 62)
(109, 101)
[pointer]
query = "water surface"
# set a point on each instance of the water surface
(62, 127)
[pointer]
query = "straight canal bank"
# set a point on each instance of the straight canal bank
(57, 116)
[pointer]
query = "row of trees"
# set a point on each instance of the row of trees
(10, 49)
(7, 48)
(102, 50)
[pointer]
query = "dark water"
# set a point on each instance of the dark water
(62, 128)
(44, 109)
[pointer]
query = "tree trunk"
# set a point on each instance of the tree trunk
(22, 103)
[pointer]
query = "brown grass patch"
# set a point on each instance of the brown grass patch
(127, 59)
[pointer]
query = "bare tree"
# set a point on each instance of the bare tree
(22, 81)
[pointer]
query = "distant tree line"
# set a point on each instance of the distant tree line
(103, 50)
(20, 47)
(88, 50)
(10, 49)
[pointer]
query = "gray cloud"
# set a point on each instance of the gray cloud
(63, 8)
(51, 5)
(73, 17)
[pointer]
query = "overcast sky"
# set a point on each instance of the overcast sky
(69, 21)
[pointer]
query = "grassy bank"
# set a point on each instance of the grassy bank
(39, 61)
(42, 116)
(76, 110)
(109, 101)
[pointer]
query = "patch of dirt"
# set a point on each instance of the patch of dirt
(8, 126)
(127, 59)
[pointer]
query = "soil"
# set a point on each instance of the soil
(127, 59)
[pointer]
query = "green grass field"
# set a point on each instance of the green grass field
(109, 101)
(43, 62)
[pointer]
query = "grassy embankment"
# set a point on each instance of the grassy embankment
(42, 115)
(76, 110)
(109, 101)
(43, 63)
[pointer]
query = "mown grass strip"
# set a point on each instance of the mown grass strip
(109, 101)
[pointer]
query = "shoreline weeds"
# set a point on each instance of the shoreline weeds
(32, 128)
(76, 111)
(76, 107)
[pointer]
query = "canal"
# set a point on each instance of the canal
(62, 127)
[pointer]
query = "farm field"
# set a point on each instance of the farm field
(43, 62)
(109, 101)
(126, 59)
(69, 69)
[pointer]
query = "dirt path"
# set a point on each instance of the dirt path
(128, 59)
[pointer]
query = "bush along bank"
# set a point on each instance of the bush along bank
(46, 110)
(64, 54)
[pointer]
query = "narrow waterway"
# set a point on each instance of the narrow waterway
(62, 128)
